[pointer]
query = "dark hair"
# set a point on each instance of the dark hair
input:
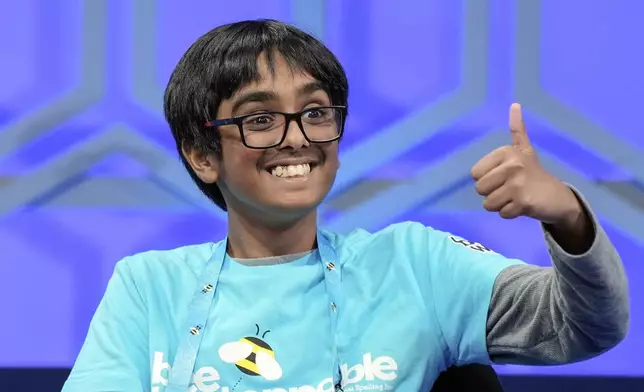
(224, 60)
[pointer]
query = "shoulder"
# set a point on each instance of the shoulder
(190, 255)
(410, 241)
(402, 244)
(166, 267)
(403, 237)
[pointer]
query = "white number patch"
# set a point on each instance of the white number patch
(471, 245)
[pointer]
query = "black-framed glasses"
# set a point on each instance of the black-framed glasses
(262, 130)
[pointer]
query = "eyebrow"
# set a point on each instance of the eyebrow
(266, 96)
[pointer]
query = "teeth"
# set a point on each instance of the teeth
(291, 170)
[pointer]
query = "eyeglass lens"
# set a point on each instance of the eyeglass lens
(267, 129)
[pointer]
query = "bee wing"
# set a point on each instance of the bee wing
(235, 351)
(268, 366)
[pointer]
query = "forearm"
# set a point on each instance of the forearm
(571, 312)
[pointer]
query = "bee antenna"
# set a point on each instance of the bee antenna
(264, 334)
(257, 333)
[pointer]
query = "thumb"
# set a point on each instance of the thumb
(517, 127)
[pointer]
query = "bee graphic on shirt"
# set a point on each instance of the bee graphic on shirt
(252, 356)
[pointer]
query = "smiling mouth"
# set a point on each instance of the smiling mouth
(291, 171)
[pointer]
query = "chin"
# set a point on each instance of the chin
(301, 206)
(293, 206)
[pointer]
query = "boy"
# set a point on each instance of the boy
(257, 109)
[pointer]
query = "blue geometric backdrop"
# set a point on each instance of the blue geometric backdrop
(88, 171)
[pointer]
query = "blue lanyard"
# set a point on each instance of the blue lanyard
(186, 356)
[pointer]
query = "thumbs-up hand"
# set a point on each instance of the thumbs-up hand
(514, 183)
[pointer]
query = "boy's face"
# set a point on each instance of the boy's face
(248, 178)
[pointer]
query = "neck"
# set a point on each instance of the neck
(249, 239)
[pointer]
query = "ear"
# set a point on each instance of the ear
(204, 163)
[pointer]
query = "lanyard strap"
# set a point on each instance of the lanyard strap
(184, 360)
(332, 280)
(186, 356)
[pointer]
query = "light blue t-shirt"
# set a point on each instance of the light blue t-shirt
(410, 302)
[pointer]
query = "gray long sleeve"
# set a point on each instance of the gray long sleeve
(572, 311)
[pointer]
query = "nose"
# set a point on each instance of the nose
(294, 136)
